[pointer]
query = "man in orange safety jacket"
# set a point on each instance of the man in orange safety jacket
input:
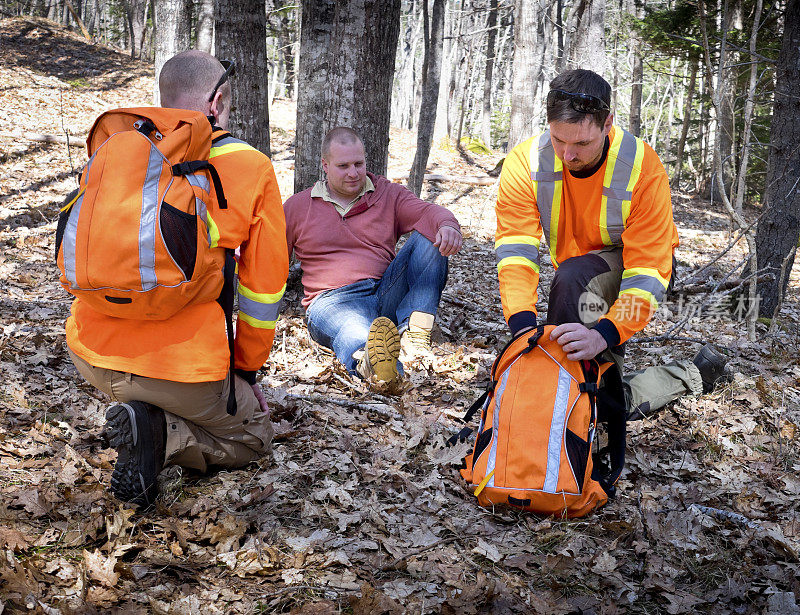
(170, 379)
(598, 198)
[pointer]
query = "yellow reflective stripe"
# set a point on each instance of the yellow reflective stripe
(486, 479)
(227, 149)
(635, 173)
(72, 202)
(527, 239)
(648, 271)
(533, 162)
(611, 162)
(555, 212)
(213, 231)
(261, 297)
(517, 260)
(258, 324)
(638, 292)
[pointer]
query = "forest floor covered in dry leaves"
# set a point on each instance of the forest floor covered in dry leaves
(360, 509)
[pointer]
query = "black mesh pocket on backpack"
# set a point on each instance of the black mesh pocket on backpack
(179, 230)
(481, 444)
(578, 455)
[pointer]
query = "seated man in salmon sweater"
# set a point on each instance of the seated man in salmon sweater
(360, 295)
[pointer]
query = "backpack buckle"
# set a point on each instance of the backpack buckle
(145, 127)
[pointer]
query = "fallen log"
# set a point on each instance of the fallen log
(40, 138)
(475, 180)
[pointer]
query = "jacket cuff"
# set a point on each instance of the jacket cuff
(608, 330)
(248, 377)
(519, 321)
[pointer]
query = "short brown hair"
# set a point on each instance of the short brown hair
(579, 81)
(341, 134)
(187, 79)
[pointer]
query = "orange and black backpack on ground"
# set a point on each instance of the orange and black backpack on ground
(539, 420)
(136, 240)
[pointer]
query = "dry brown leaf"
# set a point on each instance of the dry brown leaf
(323, 607)
(13, 539)
(373, 601)
(100, 568)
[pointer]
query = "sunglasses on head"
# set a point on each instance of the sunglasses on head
(230, 70)
(582, 103)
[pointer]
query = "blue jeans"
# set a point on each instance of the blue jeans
(413, 282)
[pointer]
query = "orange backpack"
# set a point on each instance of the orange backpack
(135, 241)
(539, 417)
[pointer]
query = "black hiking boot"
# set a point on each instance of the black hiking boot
(137, 430)
(711, 364)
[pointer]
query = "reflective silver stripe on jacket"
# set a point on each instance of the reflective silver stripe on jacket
(229, 140)
(260, 311)
(545, 176)
(646, 283)
(148, 221)
(557, 426)
(622, 154)
(616, 190)
(524, 250)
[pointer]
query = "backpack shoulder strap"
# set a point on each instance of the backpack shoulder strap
(612, 410)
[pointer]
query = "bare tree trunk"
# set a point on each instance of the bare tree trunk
(587, 48)
(687, 112)
(726, 85)
(738, 195)
(668, 95)
(779, 227)
(464, 96)
(172, 34)
(241, 35)
(286, 40)
(491, 36)
(440, 127)
(561, 55)
(432, 69)
(701, 180)
(135, 16)
(635, 115)
(205, 25)
(403, 100)
(78, 20)
(451, 91)
(316, 25)
(530, 45)
(738, 220)
(356, 91)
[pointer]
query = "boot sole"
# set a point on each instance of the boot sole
(383, 349)
(127, 482)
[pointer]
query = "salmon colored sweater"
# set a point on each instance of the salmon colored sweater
(335, 251)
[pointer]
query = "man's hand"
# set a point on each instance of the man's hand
(448, 240)
(578, 342)
(260, 397)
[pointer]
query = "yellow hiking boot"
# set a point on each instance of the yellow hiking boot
(382, 352)
(416, 340)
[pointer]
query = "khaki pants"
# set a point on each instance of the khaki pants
(601, 274)
(200, 432)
